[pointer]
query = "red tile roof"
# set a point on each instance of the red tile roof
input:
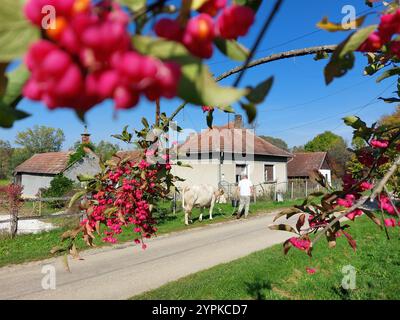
(303, 163)
(45, 163)
(230, 141)
(133, 155)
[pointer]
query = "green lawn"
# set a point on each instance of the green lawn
(4, 182)
(36, 247)
(268, 274)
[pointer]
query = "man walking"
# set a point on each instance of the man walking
(245, 191)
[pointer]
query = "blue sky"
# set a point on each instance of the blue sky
(299, 106)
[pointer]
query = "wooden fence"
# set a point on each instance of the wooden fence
(15, 217)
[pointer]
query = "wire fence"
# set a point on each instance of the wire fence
(277, 191)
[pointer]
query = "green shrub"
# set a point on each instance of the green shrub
(59, 187)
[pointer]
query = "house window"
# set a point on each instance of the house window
(269, 173)
(240, 169)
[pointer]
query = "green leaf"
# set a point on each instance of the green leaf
(232, 49)
(337, 68)
(196, 85)
(8, 115)
(76, 197)
(354, 41)
(85, 178)
(251, 110)
(11, 96)
(282, 227)
(389, 100)
(342, 59)
(286, 246)
(145, 123)
(288, 213)
(388, 73)
(3, 78)
(16, 81)
(134, 5)
(354, 121)
(257, 95)
(57, 249)
(16, 33)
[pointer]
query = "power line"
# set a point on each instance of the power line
(318, 99)
(368, 104)
(360, 108)
(305, 35)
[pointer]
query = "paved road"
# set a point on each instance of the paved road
(124, 271)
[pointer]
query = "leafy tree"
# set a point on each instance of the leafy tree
(41, 139)
(298, 149)
(278, 142)
(339, 155)
(392, 119)
(18, 156)
(358, 143)
(5, 158)
(323, 142)
(105, 149)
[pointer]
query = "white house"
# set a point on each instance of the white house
(223, 153)
(38, 171)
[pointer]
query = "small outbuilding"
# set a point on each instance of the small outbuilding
(37, 172)
(302, 165)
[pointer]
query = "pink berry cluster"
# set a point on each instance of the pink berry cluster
(215, 19)
(389, 26)
(391, 222)
(299, 243)
(124, 199)
(87, 57)
(373, 155)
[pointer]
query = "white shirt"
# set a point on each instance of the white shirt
(245, 187)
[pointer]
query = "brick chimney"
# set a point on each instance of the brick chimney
(85, 137)
(238, 122)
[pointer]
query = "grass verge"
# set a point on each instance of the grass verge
(268, 274)
(32, 247)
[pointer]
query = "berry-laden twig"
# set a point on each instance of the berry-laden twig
(377, 190)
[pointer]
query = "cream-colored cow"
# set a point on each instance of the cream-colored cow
(199, 196)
